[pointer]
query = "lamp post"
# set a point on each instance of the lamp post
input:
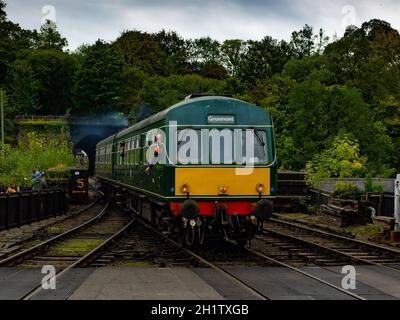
(397, 202)
(2, 114)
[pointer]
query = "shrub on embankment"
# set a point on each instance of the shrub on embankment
(33, 152)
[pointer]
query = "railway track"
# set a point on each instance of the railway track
(245, 255)
(140, 246)
(73, 247)
(304, 273)
(117, 240)
(324, 248)
(201, 261)
(72, 220)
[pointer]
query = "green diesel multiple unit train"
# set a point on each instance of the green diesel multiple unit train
(205, 166)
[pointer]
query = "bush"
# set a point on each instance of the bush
(341, 160)
(369, 186)
(58, 176)
(347, 191)
(33, 152)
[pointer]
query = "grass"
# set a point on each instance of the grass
(299, 216)
(138, 264)
(79, 246)
(368, 231)
(42, 122)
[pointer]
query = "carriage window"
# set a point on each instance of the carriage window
(260, 146)
(138, 142)
(223, 147)
(131, 144)
(122, 149)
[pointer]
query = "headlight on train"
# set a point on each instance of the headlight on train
(184, 188)
(223, 190)
(260, 188)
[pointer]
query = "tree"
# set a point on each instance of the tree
(159, 93)
(205, 58)
(133, 80)
(232, 54)
(141, 50)
(303, 42)
(321, 42)
(49, 37)
(263, 59)
(12, 39)
(205, 50)
(341, 160)
(368, 58)
(53, 71)
(23, 90)
(320, 112)
(176, 50)
(98, 80)
(3, 14)
(213, 71)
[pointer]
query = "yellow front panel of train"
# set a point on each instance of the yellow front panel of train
(214, 181)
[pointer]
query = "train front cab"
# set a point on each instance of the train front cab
(219, 197)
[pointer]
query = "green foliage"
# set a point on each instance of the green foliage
(263, 59)
(23, 89)
(98, 79)
(369, 186)
(315, 91)
(319, 112)
(139, 49)
(347, 191)
(34, 152)
(305, 43)
(176, 50)
(162, 92)
(58, 176)
(341, 160)
(233, 52)
(53, 71)
(49, 37)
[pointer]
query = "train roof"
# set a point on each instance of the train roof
(107, 141)
(164, 113)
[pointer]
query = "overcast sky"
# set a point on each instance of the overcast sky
(85, 21)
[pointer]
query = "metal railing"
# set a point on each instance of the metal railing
(78, 120)
(383, 203)
(17, 209)
(38, 118)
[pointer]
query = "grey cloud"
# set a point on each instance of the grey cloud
(84, 21)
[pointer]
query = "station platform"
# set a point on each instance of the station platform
(148, 283)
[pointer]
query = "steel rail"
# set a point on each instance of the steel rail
(325, 248)
(238, 280)
(341, 238)
(226, 273)
(261, 255)
(80, 261)
(329, 234)
(43, 244)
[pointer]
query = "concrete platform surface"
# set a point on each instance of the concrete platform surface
(15, 283)
(65, 285)
(127, 283)
(131, 283)
(386, 281)
(283, 284)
